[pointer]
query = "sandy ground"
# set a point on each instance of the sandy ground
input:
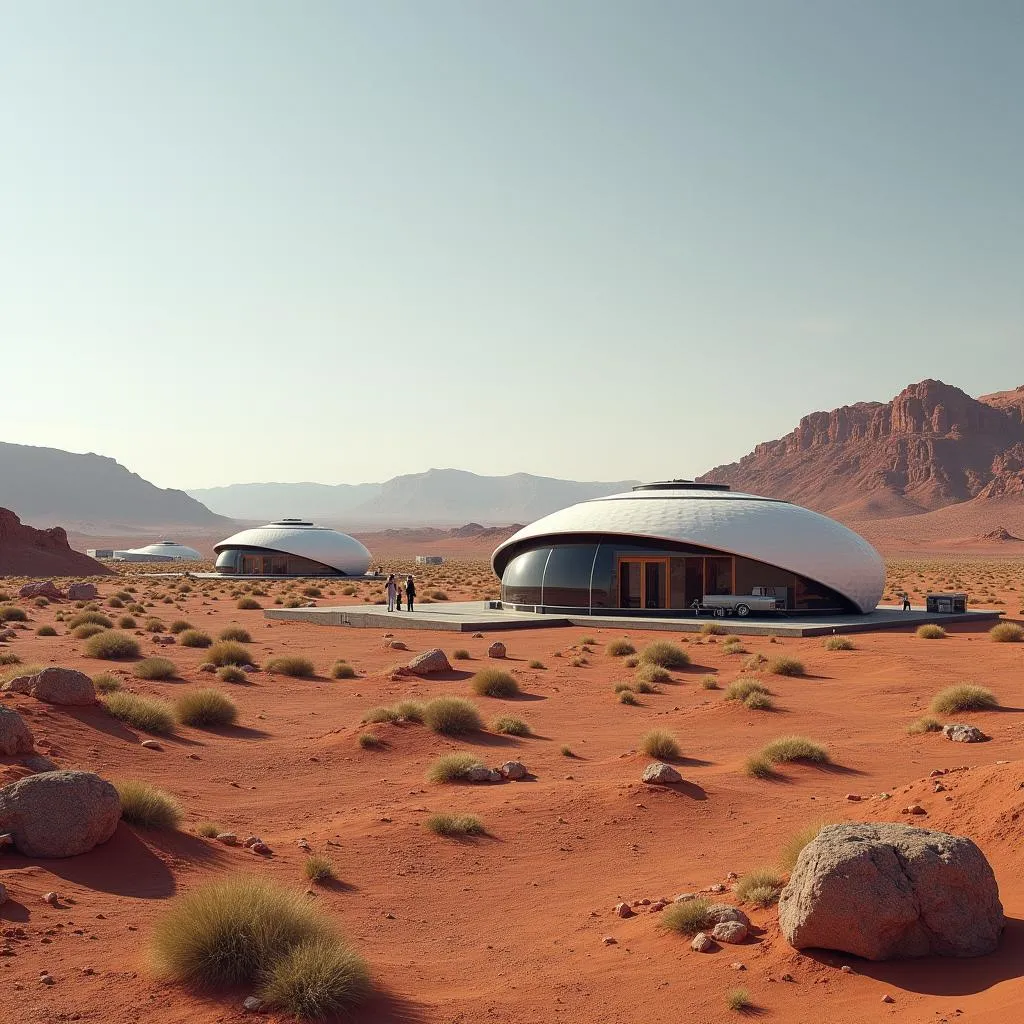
(510, 927)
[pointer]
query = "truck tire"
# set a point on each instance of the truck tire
(742, 611)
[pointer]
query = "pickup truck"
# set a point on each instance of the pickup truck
(762, 599)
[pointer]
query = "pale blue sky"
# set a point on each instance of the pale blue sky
(339, 241)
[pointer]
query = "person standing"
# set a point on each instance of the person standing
(391, 589)
(410, 591)
(906, 601)
(398, 596)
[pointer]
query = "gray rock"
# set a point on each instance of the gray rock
(478, 773)
(886, 891)
(496, 650)
(963, 733)
(227, 838)
(729, 931)
(41, 588)
(721, 913)
(252, 1004)
(59, 814)
(82, 592)
(514, 770)
(56, 686)
(429, 662)
(659, 774)
(623, 910)
(15, 735)
(702, 943)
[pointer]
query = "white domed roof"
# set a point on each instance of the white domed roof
(168, 549)
(302, 538)
(775, 532)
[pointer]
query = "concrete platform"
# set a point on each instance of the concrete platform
(474, 616)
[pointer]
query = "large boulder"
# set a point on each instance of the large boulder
(887, 892)
(659, 774)
(428, 662)
(56, 686)
(41, 588)
(963, 733)
(15, 735)
(82, 592)
(59, 814)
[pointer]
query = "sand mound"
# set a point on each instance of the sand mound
(25, 551)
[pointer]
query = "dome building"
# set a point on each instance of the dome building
(291, 547)
(661, 547)
(161, 551)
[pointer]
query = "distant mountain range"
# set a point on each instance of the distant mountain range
(436, 497)
(90, 493)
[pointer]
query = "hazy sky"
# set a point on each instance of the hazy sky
(302, 240)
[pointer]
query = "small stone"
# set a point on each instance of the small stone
(251, 841)
(261, 847)
(514, 770)
(496, 650)
(610, 940)
(702, 943)
(716, 888)
(623, 910)
(303, 845)
(227, 838)
(913, 809)
(737, 966)
(660, 774)
(788, 977)
(52, 898)
(252, 1004)
(732, 932)
(685, 897)
(963, 733)
(853, 797)
(151, 745)
(46, 979)
(888, 999)
(846, 969)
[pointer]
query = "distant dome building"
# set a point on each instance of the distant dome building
(161, 551)
(291, 547)
(663, 546)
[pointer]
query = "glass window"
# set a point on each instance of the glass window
(523, 577)
(567, 576)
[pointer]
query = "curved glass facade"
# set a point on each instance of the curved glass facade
(646, 577)
(250, 561)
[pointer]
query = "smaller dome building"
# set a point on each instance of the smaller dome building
(161, 551)
(291, 547)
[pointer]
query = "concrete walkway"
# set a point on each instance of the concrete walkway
(476, 616)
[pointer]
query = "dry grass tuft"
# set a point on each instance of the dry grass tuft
(206, 709)
(146, 806)
(453, 767)
(660, 744)
(687, 918)
(455, 825)
(964, 697)
(793, 847)
(838, 643)
(619, 648)
(227, 652)
(931, 631)
(292, 665)
(494, 682)
(154, 716)
(923, 725)
(154, 668)
(665, 654)
(111, 646)
(451, 716)
(1007, 633)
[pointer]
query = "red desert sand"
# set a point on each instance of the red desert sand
(512, 926)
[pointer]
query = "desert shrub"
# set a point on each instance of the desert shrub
(712, 629)
(451, 716)
(312, 591)
(838, 643)
(923, 725)
(155, 668)
(795, 748)
(759, 702)
(964, 697)
(292, 665)
(738, 999)
(453, 767)
(649, 673)
(455, 825)
(751, 886)
(236, 633)
(438, 595)
(146, 806)
(460, 654)
(89, 618)
(754, 663)
(368, 741)
(206, 708)
(46, 631)
(232, 674)
(126, 622)
(248, 604)
(409, 711)
(760, 767)
(660, 744)
(342, 670)
(380, 714)
(179, 626)
(734, 648)
(106, 683)
(786, 667)
(665, 654)
(154, 625)
(241, 930)
(642, 686)
(195, 638)
(227, 652)
(319, 869)
(511, 726)
(145, 713)
(619, 648)
(741, 689)
(578, 662)
(10, 658)
(566, 751)
(208, 830)
(628, 697)
(537, 664)
(86, 630)
(793, 847)
(1007, 633)
(687, 918)
(632, 661)
(10, 613)
(494, 682)
(111, 645)
(709, 682)
(930, 631)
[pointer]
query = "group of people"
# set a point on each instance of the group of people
(393, 590)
